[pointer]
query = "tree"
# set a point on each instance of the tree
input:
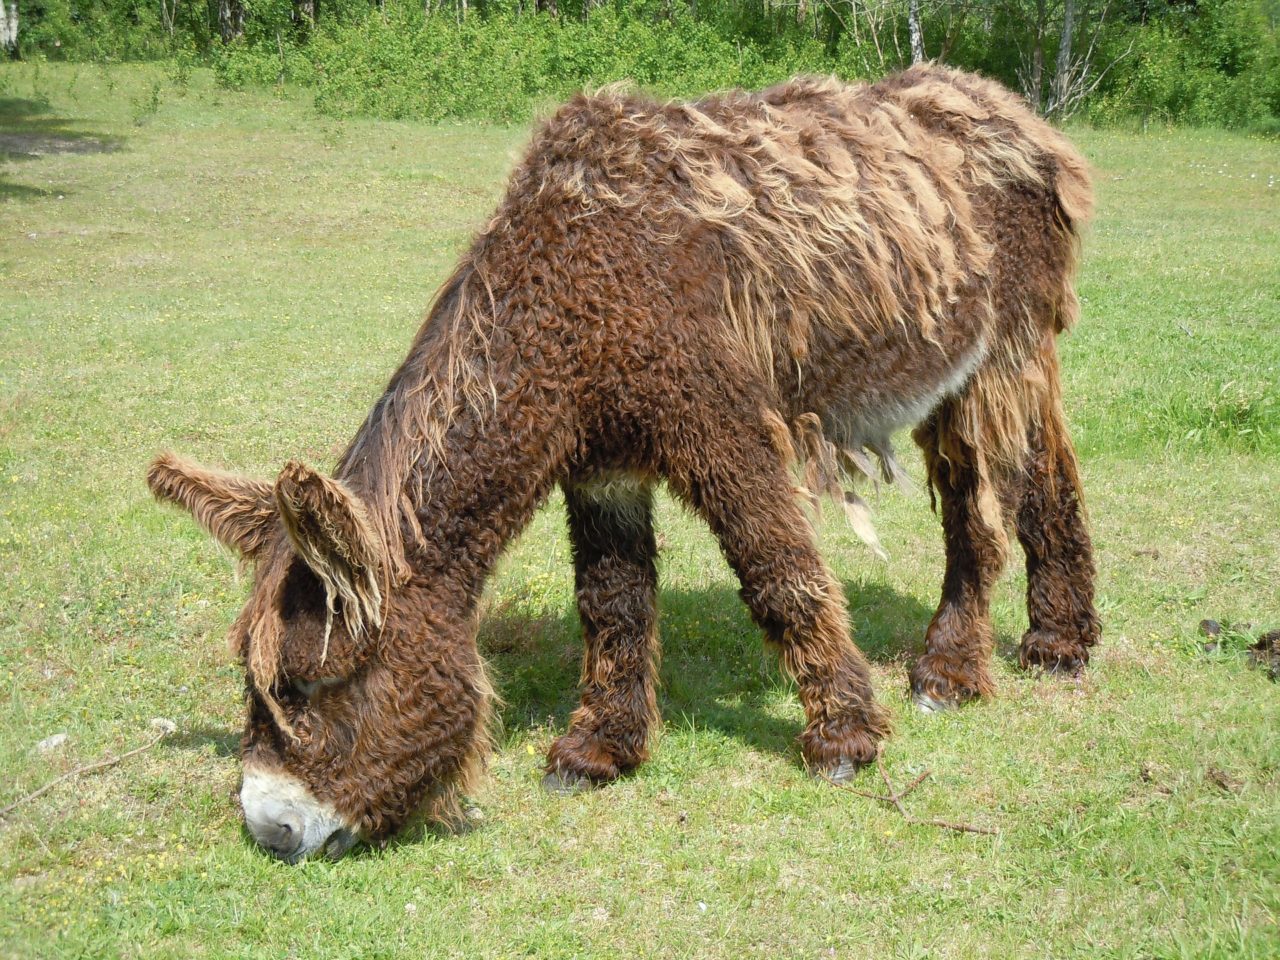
(917, 34)
(9, 27)
(1076, 73)
(230, 20)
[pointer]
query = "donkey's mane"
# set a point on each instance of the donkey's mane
(401, 443)
(849, 206)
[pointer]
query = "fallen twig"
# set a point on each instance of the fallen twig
(162, 727)
(876, 796)
(894, 799)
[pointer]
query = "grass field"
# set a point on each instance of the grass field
(228, 275)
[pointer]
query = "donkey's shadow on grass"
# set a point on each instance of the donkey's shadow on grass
(716, 672)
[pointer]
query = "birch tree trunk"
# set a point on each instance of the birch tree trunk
(306, 11)
(169, 16)
(9, 27)
(1036, 93)
(230, 20)
(1062, 69)
(917, 35)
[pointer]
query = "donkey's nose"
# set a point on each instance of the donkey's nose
(285, 817)
(281, 835)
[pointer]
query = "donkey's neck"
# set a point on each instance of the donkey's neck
(472, 505)
(455, 457)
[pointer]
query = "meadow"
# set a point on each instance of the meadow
(230, 275)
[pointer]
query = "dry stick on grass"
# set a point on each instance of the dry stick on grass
(162, 727)
(895, 799)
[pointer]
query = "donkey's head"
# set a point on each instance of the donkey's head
(364, 700)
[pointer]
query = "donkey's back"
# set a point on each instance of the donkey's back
(870, 250)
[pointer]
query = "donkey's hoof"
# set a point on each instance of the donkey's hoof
(927, 704)
(565, 783)
(842, 771)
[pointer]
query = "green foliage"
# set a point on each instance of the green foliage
(1213, 65)
(242, 65)
(113, 30)
(504, 67)
(1216, 62)
(147, 105)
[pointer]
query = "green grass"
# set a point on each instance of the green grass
(228, 275)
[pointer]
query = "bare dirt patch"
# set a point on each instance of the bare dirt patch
(34, 144)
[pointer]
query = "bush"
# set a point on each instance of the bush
(108, 30)
(1211, 62)
(504, 67)
(1212, 65)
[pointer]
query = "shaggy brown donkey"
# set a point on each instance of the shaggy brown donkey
(705, 294)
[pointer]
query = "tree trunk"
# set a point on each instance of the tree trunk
(9, 27)
(547, 6)
(306, 12)
(169, 16)
(917, 34)
(1062, 69)
(230, 20)
(1036, 93)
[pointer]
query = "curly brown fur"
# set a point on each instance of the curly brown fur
(1052, 529)
(702, 293)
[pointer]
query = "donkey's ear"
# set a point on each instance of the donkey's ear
(332, 531)
(238, 511)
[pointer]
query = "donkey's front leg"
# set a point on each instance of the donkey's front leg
(611, 529)
(739, 482)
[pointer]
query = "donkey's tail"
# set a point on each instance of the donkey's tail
(1073, 190)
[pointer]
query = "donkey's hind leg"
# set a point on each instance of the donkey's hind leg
(738, 481)
(960, 641)
(1054, 535)
(611, 530)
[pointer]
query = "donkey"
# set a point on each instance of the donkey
(729, 295)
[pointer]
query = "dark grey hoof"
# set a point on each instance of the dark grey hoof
(841, 772)
(562, 783)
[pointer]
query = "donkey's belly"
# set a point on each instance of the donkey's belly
(864, 392)
(869, 417)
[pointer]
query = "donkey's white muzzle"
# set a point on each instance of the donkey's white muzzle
(286, 818)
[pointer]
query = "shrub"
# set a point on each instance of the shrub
(503, 67)
(1212, 65)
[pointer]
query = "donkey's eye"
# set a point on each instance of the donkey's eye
(309, 688)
